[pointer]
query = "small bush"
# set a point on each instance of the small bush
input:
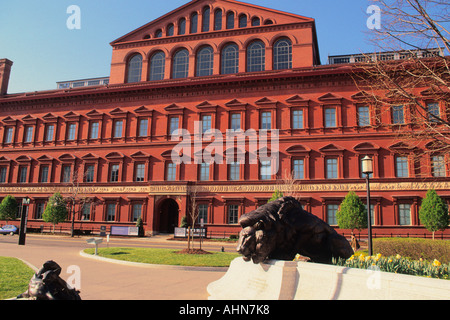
(414, 248)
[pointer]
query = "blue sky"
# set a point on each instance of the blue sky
(34, 35)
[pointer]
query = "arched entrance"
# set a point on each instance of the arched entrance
(168, 216)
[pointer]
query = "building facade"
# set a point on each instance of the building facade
(223, 67)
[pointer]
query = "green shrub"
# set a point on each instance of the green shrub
(414, 248)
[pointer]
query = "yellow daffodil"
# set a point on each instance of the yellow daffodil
(436, 263)
(398, 256)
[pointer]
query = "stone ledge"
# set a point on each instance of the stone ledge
(286, 280)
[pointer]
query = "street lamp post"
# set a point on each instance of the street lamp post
(23, 220)
(367, 169)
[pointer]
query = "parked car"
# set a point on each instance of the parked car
(9, 229)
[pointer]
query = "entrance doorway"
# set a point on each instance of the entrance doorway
(168, 219)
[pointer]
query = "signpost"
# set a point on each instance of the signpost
(23, 221)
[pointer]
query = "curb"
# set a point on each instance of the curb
(154, 266)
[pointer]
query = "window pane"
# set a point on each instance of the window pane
(230, 20)
(402, 167)
(331, 213)
(203, 213)
(86, 212)
(90, 169)
(404, 212)
(170, 30)
(49, 133)
(397, 115)
(204, 171)
(234, 172)
(363, 116)
(44, 174)
(433, 112)
(23, 174)
(218, 20)
(174, 124)
(40, 206)
(118, 128)
(182, 27)
(233, 214)
(330, 118)
(256, 22)
(230, 59)
(266, 172)
(266, 120)
(235, 121)
(29, 134)
(71, 131)
(66, 174)
(242, 21)
(111, 212)
(180, 64)
(297, 119)
(137, 211)
(143, 127)
(140, 172)
(332, 169)
(171, 173)
(438, 166)
(205, 19)
(134, 69)
(206, 123)
(194, 22)
(299, 169)
(157, 66)
(93, 133)
(9, 135)
(114, 173)
(256, 57)
(282, 54)
(205, 62)
(3, 171)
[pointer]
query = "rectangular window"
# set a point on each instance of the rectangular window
(234, 171)
(299, 169)
(28, 134)
(171, 172)
(140, 172)
(363, 116)
(206, 123)
(331, 213)
(174, 124)
(235, 121)
(71, 131)
(86, 212)
(9, 135)
(49, 132)
(118, 129)
(433, 112)
(114, 176)
(23, 172)
(203, 213)
(93, 132)
(397, 115)
(143, 127)
(438, 166)
(401, 166)
(204, 171)
(89, 174)
(332, 168)
(330, 118)
(137, 211)
(297, 119)
(404, 214)
(44, 174)
(3, 171)
(266, 120)
(233, 214)
(265, 170)
(66, 172)
(40, 206)
(111, 212)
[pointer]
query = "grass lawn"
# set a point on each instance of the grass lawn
(166, 256)
(14, 277)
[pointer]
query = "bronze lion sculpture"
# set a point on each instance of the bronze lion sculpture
(281, 229)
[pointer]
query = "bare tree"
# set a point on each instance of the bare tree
(193, 214)
(411, 70)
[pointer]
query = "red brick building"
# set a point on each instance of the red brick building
(228, 65)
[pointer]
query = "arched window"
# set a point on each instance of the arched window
(230, 59)
(218, 19)
(182, 26)
(170, 30)
(282, 54)
(157, 66)
(205, 62)
(180, 64)
(230, 20)
(205, 19)
(158, 33)
(256, 56)
(194, 22)
(256, 22)
(242, 21)
(134, 69)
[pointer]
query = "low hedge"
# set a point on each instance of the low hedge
(413, 248)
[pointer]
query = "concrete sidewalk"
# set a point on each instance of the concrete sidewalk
(103, 280)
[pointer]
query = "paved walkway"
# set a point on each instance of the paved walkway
(101, 280)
